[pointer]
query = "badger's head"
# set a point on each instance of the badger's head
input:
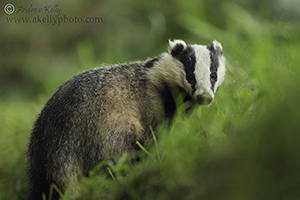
(203, 66)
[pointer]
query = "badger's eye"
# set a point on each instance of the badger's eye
(213, 76)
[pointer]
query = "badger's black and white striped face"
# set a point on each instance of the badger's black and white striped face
(204, 67)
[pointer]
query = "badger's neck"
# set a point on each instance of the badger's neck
(168, 76)
(166, 71)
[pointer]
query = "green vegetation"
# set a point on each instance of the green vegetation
(245, 145)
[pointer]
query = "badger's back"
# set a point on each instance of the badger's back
(101, 111)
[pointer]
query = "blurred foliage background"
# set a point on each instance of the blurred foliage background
(242, 146)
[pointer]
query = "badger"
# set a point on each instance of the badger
(107, 110)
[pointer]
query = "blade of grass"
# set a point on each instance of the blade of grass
(144, 150)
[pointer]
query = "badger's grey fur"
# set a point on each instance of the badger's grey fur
(106, 110)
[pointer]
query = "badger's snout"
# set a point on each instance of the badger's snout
(204, 99)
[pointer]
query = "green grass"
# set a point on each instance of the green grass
(245, 145)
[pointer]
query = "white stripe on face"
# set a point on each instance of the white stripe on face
(221, 72)
(202, 71)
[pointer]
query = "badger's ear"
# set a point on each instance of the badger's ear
(176, 47)
(217, 47)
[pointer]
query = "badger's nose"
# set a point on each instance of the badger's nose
(204, 99)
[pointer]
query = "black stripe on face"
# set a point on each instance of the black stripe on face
(188, 59)
(214, 65)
